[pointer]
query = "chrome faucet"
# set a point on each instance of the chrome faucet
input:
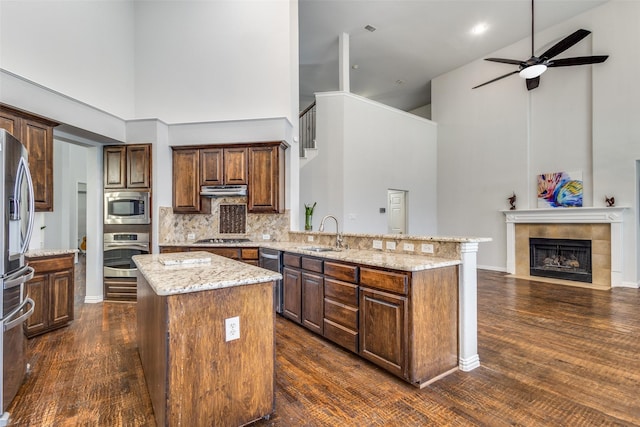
(338, 235)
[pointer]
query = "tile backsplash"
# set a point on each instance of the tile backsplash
(176, 228)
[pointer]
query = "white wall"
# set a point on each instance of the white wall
(494, 140)
(212, 60)
(83, 49)
(364, 149)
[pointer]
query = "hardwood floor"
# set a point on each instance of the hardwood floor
(551, 355)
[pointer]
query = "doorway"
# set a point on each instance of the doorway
(397, 211)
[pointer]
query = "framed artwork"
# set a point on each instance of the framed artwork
(560, 189)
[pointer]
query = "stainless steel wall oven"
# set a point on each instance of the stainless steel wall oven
(119, 248)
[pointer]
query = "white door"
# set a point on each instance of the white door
(397, 211)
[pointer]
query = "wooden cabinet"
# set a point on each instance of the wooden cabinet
(52, 290)
(36, 134)
(260, 166)
(303, 291)
(127, 166)
(266, 179)
(186, 183)
(223, 166)
(383, 330)
(341, 310)
(292, 294)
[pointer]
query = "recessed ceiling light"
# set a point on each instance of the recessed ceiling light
(480, 28)
(399, 82)
(370, 28)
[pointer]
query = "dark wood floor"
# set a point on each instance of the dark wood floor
(551, 356)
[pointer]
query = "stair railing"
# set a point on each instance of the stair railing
(307, 128)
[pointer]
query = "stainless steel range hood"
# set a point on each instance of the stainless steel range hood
(223, 190)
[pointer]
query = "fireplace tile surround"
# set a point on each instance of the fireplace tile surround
(603, 226)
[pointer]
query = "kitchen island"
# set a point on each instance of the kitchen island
(206, 338)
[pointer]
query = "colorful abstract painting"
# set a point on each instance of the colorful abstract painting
(560, 189)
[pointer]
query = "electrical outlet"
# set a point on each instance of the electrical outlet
(191, 236)
(391, 246)
(266, 237)
(309, 238)
(232, 328)
(377, 244)
(408, 247)
(427, 248)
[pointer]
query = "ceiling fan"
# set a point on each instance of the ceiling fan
(532, 68)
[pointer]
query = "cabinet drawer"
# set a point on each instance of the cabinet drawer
(43, 265)
(341, 314)
(291, 260)
(340, 335)
(172, 249)
(348, 273)
(249, 253)
(312, 264)
(346, 293)
(385, 280)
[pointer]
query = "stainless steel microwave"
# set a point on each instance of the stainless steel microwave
(126, 207)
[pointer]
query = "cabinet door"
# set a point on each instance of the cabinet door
(383, 330)
(38, 139)
(60, 297)
(138, 166)
(115, 167)
(10, 123)
(211, 170)
(186, 183)
(35, 290)
(266, 192)
(235, 166)
(292, 294)
(313, 302)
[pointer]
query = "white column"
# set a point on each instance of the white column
(468, 358)
(343, 62)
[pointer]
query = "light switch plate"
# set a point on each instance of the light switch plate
(232, 328)
(391, 246)
(266, 237)
(309, 238)
(191, 236)
(377, 244)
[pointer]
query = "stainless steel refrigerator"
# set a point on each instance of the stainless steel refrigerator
(17, 207)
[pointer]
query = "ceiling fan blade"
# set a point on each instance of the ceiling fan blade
(565, 44)
(505, 61)
(533, 83)
(496, 79)
(578, 60)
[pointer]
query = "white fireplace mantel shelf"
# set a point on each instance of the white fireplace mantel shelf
(612, 215)
(565, 215)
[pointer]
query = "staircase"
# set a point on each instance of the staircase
(307, 128)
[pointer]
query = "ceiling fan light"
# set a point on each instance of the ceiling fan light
(532, 71)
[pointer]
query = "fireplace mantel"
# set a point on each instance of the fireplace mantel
(588, 215)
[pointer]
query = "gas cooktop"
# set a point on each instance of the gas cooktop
(220, 240)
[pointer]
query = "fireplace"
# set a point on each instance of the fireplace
(568, 259)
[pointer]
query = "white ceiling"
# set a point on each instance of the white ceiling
(414, 41)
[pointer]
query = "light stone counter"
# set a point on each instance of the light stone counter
(374, 258)
(186, 272)
(41, 253)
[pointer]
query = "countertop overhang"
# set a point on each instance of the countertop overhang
(186, 272)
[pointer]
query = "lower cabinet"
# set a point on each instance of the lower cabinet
(312, 302)
(292, 294)
(303, 291)
(383, 330)
(52, 290)
(246, 255)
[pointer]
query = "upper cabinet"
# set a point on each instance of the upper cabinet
(266, 179)
(127, 166)
(223, 166)
(260, 166)
(36, 134)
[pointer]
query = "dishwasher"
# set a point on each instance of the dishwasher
(271, 259)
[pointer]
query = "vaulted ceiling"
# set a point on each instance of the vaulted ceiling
(414, 41)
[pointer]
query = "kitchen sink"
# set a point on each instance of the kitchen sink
(317, 248)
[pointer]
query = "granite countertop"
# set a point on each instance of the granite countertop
(375, 258)
(186, 272)
(41, 253)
